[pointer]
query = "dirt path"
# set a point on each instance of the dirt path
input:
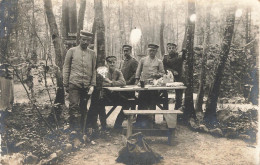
(189, 148)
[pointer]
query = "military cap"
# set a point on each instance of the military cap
(110, 58)
(171, 44)
(85, 34)
(153, 46)
(127, 47)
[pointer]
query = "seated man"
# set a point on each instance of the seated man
(128, 69)
(113, 77)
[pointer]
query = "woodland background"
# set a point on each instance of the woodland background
(222, 45)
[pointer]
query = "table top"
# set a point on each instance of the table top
(147, 87)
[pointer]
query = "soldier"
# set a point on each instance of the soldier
(79, 78)
(113, 77)
(149, 68)
(173, 63)
(128, 69)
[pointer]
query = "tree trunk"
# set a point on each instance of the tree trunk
(210, 117)
(162, 30)
(248, 23)
(188, 101)
(58, 48)
(82, 10)
(54, 33)
(65, 19)
(199, 101)
(99, 33)
(73, 16)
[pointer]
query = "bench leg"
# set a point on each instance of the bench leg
(129, 126)
(171, 135)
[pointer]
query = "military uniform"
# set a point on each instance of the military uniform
(148, 69)
(128, 69)
(79, 74)
(174, 63)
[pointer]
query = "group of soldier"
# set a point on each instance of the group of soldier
(81, 81)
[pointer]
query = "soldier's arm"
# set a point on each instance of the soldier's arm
(120, 81)
(161, 69)
(67, 68)
(133, 68)
(94, 71)
(139, 69)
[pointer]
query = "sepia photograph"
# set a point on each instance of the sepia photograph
(129, 82)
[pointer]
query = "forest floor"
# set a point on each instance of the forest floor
(26, 134)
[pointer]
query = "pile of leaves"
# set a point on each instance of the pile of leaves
(25, 132)
(238, 124)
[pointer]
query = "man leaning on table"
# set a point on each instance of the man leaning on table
(113, 78)
(174, 63)
(149, 68)
(128, 69)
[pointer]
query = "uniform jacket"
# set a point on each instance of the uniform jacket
(173, 64)
(116, 77)
(147, 67)
(79, 67)
(129, 69)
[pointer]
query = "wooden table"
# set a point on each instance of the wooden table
(162, 99)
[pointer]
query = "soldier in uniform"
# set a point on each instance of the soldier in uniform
(149, 67)
(173, 63)
(128, 69)
(79, 78)
(101, 97)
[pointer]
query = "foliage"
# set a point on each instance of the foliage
(237, 73)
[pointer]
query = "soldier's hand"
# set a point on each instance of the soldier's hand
(155, 76)
(90, 91)
(175, 73)
(107, 80)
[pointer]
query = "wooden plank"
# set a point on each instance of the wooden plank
(136, 88)
(129, 126)
(111, 110)
(131, 112)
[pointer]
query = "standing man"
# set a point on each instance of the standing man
(128, 69)
(149, 68)
(79, 78)
(173, 63)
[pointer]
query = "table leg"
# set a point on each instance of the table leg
(171, 135)
(129, 126)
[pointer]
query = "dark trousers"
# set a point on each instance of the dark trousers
(178, 97)
(147, 101)
(121, 116)
(78, 98)
(97, 108)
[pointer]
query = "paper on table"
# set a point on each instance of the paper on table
(173, 84)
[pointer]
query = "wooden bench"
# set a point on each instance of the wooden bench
(171, 130)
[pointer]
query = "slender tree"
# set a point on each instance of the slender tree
(210, 117)
(58, 48)
(188, 101)
(81, 15)
(73, 16)
(65, 19)
(99, 30)
(199, 101)
(162, 30)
